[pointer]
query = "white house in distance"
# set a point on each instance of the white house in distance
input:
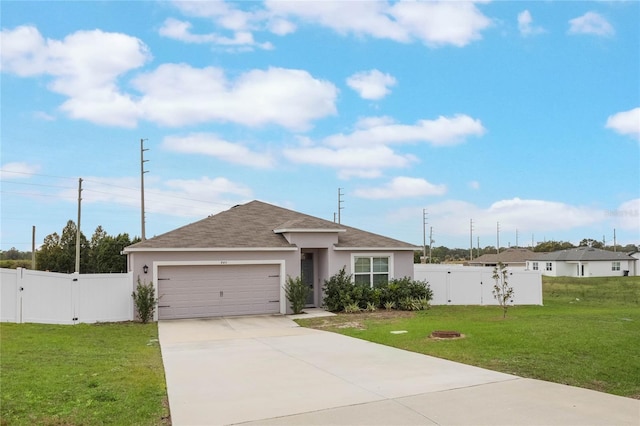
(583, 262)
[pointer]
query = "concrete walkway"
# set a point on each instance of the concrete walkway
(265, 370)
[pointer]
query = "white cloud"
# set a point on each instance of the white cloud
(211, 145)
(474, 184)
(442, 131)
(18, 170)
(627, 216)
(364, 162)
(591, 23)
(181, 30)
(435, 23)
(625, 123)
(525, 24)
(401, 187)
(372, 84)
(178, 197)
(440, 23)
(178, 95)
(170, 95)
(80, 69)
(539, 217)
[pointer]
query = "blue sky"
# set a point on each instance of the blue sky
(525, 114)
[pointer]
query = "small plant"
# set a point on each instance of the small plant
(502, 291)
(423, 303)
(352, 308)
(389, 305)
(297, 292)
(371, 307)
(144, 299)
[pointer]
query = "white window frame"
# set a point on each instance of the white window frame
(371, 256)
(535, 266)
(549, 266)
(615, 265)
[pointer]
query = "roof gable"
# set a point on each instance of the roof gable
(259, 225)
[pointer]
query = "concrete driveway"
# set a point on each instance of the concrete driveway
(266, 370)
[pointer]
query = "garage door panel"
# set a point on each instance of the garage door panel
(191, 291)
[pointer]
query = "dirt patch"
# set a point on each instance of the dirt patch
(357, 320)
(352, 324)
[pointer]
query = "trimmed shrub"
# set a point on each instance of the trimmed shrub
(297, 292)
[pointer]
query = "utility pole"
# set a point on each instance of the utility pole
(424, 236)
(142, 172)
(614, 240)
(478, 251)
(470, 239)
(431, 241)
(340, 194)
(517, 238)
(498, 238)
(33, 247)
(78, 227)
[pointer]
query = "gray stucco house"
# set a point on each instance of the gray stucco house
(236, 262)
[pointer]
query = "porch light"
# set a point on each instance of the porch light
(145, 269)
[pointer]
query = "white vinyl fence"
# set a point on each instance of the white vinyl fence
(53, 298)
(467, 285)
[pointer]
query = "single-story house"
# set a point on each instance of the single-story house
(511, 257)
(583, 262)
(236, 262)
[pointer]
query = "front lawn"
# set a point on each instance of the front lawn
(587, 334)
(101, 374)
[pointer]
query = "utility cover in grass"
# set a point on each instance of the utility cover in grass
(399, 332)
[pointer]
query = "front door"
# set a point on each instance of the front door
(306, 267)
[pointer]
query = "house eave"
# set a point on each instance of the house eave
(375, 248)
(310, 230)
(208, 249)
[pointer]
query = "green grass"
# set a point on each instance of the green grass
(101, 374)
(587, 334)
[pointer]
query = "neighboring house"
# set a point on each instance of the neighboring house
(583, 262)
(237, 262)
(511, 257)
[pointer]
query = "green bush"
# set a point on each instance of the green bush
(337, 291)
(403, 293)
(145, 301)
(297, 292)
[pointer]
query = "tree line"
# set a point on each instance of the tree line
(101, 254)
(57, 253)
(444, 254)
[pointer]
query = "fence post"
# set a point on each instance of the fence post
(19, 289)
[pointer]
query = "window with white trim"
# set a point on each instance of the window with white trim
(549, 266)
(535, 266)
(615, 266)
(371, 270)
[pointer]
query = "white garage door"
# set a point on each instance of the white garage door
(196, 291)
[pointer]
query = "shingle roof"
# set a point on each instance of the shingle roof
(509, 255)
(582, 254)
(252, 225)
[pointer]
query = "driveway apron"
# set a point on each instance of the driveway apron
(268, 370)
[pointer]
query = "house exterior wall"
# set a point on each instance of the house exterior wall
(594, 268)
(137, 260)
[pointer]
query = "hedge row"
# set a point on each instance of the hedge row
(341, 294)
